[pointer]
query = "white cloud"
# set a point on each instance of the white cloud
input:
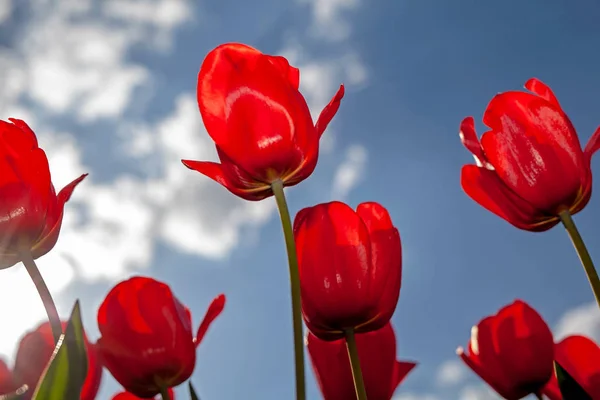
(328, 18)
(451, 372)
(415, 396)
(5, 10)
(478, 392)
(584, 320)
(350, 172)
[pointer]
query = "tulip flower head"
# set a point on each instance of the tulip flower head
(350, 265)
(147, 340)
(382, 373)
(579, 356)
(513, 351)
(260, 122)
(34, 352)
(530, 165)
(7, 382)
(30, 211)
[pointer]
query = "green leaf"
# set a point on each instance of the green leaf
(193, 394)
(67, 368)
(18, 394)
(569, 388)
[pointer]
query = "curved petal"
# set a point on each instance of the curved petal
(7, 383)
(213, 84)
(216, 172)
(329, 111)
(386, 268)
(214, 310)
(541, 89)
(534, 149)
(49, 235)
(292, 74)
(401, 371)
(22, 125)
(468, 138)
(485, 188)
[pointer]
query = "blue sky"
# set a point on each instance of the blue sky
(110, 89)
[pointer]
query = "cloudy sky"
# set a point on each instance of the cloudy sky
(109, 87)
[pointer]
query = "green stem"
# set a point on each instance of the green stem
(359, 385)
(584, 255)
(290, 244)
(45, 295)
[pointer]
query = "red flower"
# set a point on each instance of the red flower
(513, 351)
(530, 165)
(35, 351)
(259, 121)
(7, 382)
(350, 266)
(30, 211)
(129, 396)
(147, 339)
(579, 356)
(377, 353)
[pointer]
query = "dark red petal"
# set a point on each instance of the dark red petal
(534, 149)
(541, 89)
(401, 371)
(334, 257)
(329, 111)
(7, 383)
(484, 186)
(49, 235)
(214, 310)
(216, 172)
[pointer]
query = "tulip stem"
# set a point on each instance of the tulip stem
(44, 293)
(164, 393)
(286, 223)
(584, 255)
(359, 384)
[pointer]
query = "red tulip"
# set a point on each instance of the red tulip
(350, 266)
(129, 396)
(34, 352)
(30, 212)
(7, 382)
(579, 356)
(259, 121)
(530, 165)
(513, 351)
(377, 353)
(147, 339)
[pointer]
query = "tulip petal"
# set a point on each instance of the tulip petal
(213, 84)
(7, 383)
(292, 74)
(468, 137)
(541, 89)
(534, 149)
(593, 144)
(329, 111)
(54, 217)
(401, 371)
(214, 310)
(217, 173)
(484, 186)
(579, 356)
